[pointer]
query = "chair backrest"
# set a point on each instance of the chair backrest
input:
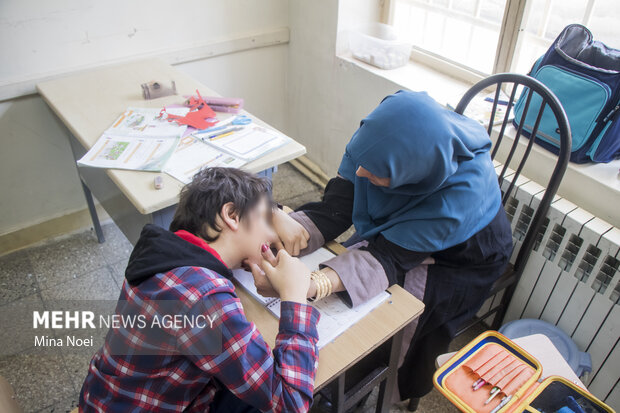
(532, 87)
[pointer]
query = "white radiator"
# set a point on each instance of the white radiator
(572, 280)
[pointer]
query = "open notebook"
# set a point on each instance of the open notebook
(336, 316)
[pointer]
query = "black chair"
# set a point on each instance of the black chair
(508, 281)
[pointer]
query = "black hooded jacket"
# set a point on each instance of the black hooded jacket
(159, 250)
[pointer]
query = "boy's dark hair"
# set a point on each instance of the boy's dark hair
(202, 199)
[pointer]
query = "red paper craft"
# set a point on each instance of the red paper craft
(197, 116)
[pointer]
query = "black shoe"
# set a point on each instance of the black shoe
(413, 404)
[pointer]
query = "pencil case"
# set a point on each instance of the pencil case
(492, 374)
(226, 105)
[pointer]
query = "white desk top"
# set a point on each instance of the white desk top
(88, 103)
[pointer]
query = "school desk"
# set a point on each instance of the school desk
(88, 102)
(382, 326)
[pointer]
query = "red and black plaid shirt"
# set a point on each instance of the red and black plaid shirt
(282, 380)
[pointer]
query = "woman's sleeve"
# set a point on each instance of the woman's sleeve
(368, 268)
(327, 219)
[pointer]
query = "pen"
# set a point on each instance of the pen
(501, 102)
(476, 382)
(503, 403)
(494, 392)
(479, 385)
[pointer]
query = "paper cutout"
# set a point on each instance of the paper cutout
(198, 115)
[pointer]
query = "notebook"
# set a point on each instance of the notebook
(247, 143)
(336, 316)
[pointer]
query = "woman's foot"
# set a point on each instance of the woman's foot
(413, 404)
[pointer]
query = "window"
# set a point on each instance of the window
(474, 38)
(545, 19)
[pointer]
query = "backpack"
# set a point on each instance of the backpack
(585, 77)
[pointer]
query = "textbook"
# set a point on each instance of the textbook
(336, 316)
(138, 140)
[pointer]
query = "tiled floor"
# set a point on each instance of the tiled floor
(77, 267)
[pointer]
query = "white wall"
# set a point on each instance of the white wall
(327, 96)
(37, 172)
(40, 38)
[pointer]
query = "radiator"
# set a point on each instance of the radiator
(572, 280)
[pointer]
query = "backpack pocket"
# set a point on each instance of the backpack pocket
(582, 97)
(606, 147)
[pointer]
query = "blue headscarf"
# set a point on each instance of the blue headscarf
(443, 186)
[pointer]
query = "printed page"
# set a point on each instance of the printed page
(144, 154)
(249, 143)
(145, 122)
(336, 316)
(137, 140)
(192, 155)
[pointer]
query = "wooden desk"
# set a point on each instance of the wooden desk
(87, 103)
(382, 324)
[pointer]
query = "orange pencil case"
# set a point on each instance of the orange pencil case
(492, 363)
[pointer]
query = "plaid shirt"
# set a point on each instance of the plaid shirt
(282, 380)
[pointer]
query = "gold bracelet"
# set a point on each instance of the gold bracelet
(323, 285)
(314, 275)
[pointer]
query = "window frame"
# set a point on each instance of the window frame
(507, 44)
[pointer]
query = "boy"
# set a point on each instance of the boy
(222, 222)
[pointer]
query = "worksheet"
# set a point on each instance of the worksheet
(336, 316)
(119, 152)
(247, 143)
(137, 140)
(145, 122)
(192, 155)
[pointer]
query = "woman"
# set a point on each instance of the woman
(418, 184)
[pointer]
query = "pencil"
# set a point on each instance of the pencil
(503, 403)
(222, 136)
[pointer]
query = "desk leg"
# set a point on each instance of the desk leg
(337, 394)
(93, 213)
(386, 388)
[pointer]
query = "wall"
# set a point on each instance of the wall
(37, 173)
(328, 96)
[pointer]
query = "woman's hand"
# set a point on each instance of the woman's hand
(290, 277)
(293, 237)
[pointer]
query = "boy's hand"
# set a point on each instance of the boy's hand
(292, 235)
(263, 286)
(290, 277)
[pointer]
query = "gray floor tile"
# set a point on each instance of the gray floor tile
(66, 259)
(299, 200)
(16, 277)
(16, 318)
(77, 359)
(289, 183)
(64, 406)
(96, 285)
(116, 246)
(118, 271)
(38, 380)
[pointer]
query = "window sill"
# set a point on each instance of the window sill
(593, 187)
